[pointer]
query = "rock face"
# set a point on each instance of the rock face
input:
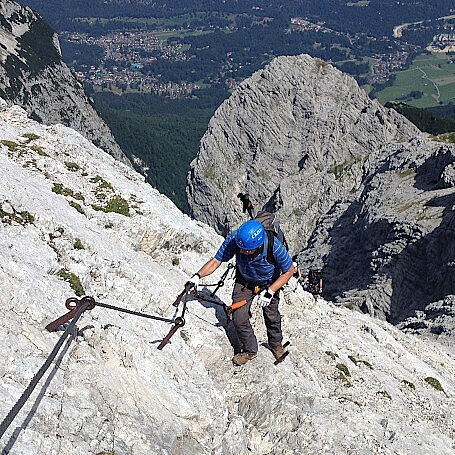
(351, 385)
(390, 248)
(359, 191)
(33, 75)
(285, 137)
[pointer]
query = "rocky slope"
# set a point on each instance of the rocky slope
(360, 192)
(33, 75)
(352, 385)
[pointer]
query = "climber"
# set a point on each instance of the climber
(313, 282)
(256, 273)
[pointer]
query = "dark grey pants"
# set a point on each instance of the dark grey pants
(241, 319)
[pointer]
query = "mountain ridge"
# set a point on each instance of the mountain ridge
(360, 192)
(34, 76)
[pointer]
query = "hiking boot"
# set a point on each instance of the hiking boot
(278, 351)
(243, 357)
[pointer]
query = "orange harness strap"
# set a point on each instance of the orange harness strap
(236, 305)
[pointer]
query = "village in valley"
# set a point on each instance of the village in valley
(126, 55)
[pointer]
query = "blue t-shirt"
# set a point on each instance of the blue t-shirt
(256, 270)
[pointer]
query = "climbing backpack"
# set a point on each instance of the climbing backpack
(272, 229)
(271, 226)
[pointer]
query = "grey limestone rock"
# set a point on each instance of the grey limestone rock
(391, 248)
(297, 136)
(351, 385)
(33, 75)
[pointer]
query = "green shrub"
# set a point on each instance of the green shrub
(73, 167)
(78, 245)
(117, 205)
(175, 261)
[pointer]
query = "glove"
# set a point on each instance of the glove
(194, 280)
(265, 297)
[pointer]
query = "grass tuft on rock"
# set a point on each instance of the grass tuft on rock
(409, 384)
(384, 393)
(21, 218)
(117, 205)
(30, 137)
(78, 244)
(73, 280)
(12, 146)
(343, 378)
(402, 173)
(76, 206)
(344, 369)
(73, 167)
(434, 383)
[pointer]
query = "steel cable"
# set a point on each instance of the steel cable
(34, 382)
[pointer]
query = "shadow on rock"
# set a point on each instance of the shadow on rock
(424, 271)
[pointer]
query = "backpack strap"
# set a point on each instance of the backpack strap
(270, 243)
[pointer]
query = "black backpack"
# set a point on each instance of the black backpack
(270, 223)
(272, 229)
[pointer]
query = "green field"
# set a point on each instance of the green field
(183, 21)
(433, 75)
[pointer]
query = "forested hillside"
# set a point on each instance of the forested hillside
(376, 16)
(164, 133)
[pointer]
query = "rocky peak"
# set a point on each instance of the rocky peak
(33, 75)
(286, 136)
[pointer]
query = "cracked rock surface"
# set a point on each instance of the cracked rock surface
(285, 137)
(351, 384)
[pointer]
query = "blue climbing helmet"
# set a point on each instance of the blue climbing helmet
(250, 235)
